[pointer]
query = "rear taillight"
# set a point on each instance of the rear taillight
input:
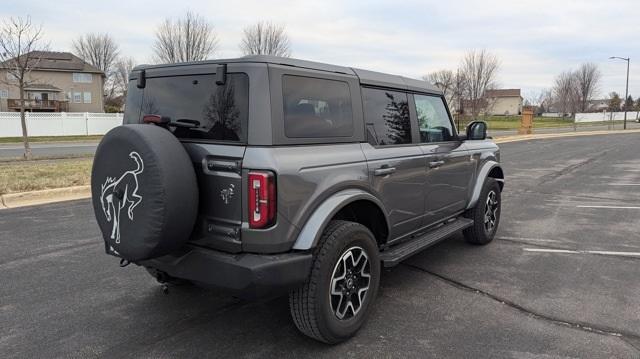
(262, 199)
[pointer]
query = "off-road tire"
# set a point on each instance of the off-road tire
(478, 233)
(311, 306)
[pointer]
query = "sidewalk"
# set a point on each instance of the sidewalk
(631, 125)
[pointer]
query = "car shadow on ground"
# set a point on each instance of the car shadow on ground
(190, 320)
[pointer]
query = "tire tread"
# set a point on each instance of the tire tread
(301, 300)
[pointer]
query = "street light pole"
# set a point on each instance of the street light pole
(626, 91)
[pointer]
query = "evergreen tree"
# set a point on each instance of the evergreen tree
(628, 104)
(614, 102)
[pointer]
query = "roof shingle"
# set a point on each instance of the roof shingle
(63, 61)
(502, 93)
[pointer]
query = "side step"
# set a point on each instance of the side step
(396, 254)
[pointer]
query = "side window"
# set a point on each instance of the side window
(388, 112)
(433, 119)
(315, 108)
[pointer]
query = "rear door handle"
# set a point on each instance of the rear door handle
(383, 171)
(435, 164)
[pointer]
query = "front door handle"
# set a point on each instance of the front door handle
(383, 171)
(435, 164)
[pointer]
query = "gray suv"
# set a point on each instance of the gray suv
(265, 175)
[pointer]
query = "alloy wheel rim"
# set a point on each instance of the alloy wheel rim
(350, 283)
(491, 211)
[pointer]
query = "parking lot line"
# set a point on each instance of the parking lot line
(548, 250)
(569, 251)
(608, 207)
(624, 184)
(529, 239)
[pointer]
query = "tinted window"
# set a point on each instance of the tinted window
(132, 104)
(220, 112)
(316, 107)
(433, 119)
(388, 111)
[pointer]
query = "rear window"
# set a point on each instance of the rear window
(220, 112)
(315, 108)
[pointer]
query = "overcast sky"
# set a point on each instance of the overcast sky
(534, 40)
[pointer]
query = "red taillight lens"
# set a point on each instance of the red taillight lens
(152, 119)
(262, 199)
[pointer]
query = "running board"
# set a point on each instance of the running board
(396, 254)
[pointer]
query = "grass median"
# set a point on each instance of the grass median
(23, 176)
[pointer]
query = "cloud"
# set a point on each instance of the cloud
(535, 40)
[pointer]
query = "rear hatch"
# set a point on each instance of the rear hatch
(209, 115)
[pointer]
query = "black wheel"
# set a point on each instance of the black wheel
(344, 280)
(485, 214)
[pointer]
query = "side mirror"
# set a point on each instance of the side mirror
(477, 130)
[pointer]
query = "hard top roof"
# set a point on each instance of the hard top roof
(366, 77)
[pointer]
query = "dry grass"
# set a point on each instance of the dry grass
(22, 176)
(35, 139)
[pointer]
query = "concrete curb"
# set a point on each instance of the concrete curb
(23, 199)
(542, 136)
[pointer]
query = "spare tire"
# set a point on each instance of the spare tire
(144, 191)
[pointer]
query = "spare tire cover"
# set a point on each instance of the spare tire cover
(144, 191)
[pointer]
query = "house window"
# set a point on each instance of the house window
(11, 77)
(86, 96)
(82, 78)
(4, 93)
(77, 97)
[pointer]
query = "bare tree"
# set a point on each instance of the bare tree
(450, 83)
(190, 38)
(479, 70)
(99, 50)
(545, 100)
(265, 38)
(21, 50)
(118, 85)
(587, 78)
(567, 93)
(122, 68)
(444, 80)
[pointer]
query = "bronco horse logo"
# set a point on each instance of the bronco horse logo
(120, 193)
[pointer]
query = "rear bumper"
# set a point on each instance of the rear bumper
(246, 275)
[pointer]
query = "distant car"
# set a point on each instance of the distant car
(266, 175)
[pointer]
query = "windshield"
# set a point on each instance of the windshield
(219, 112)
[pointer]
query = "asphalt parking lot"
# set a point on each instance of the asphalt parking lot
(562, 279)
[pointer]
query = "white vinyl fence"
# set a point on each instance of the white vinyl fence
(59, 123)
(606, 116)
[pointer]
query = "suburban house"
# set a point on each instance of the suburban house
(599, 105)
(503, 102)
(61, 82)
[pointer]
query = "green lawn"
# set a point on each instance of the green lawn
(513, 122)
(51, 139)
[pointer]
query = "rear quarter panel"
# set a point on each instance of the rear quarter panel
(305, 177)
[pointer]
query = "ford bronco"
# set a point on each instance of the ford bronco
(265, 175)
